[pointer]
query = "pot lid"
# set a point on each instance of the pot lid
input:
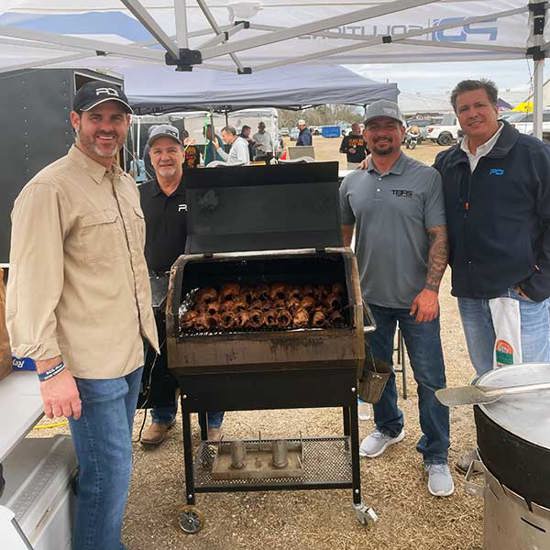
(525, 415)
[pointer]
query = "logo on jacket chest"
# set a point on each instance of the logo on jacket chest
(496, 172)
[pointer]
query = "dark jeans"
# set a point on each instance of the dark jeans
(426, 356)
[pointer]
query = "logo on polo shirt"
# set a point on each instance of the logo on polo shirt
(403, 193)
(496, 172)
(182, 208)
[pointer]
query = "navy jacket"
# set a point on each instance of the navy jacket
(498, 217)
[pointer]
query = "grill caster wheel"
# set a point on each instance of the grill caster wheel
(365, 516)
(190, 519)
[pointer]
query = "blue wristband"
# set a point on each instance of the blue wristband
(50, 373)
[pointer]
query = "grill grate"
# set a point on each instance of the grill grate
(325, 460)
(252, 330)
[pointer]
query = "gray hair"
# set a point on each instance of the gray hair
(472, 85)
(229, 130)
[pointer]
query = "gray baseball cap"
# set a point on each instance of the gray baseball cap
(383, 108)
(163, 130)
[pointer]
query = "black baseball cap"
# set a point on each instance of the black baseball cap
(96, 92)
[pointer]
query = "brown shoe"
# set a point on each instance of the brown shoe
(214, 434)
(155, 434)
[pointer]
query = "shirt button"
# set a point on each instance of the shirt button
(378, 190)
(379, 179)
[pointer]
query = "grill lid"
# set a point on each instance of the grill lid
(244, 208)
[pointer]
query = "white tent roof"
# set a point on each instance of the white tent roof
(260, 34)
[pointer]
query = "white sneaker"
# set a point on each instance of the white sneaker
(377, 442)
(364, 410)
(440, 481)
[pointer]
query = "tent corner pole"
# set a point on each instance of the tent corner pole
(538, 77)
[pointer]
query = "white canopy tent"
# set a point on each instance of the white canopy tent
(250, 36)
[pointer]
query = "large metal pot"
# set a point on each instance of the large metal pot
(513, 437)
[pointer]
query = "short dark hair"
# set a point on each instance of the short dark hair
(229, 130)
(471, 85)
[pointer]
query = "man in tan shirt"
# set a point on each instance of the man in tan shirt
(79, 303)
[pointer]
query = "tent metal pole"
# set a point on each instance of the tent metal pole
(180, 9)
(537, 17)
(538, 78)
(144, 17)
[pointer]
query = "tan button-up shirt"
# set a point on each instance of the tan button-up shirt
(78, 282)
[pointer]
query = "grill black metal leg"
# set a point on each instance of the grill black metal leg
(203, 423)
(188, 453)
(345, 415)
(354, 436)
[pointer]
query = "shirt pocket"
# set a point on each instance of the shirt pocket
(139, 225)
(101, 235)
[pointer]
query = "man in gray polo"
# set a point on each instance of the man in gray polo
(396, 208)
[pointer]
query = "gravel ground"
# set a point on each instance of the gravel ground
(393, 484)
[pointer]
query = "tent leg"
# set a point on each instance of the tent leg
(538, 97)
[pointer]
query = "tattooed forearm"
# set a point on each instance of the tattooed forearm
(437, 257)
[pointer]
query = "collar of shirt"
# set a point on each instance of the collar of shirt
(96, 171)
(397, 167)
(482, 150)
(158, 191)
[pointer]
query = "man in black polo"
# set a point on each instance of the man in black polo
(165, 209)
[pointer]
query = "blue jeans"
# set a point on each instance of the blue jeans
(426, 356)
(103, 442)
(480, 333)
(166, 415)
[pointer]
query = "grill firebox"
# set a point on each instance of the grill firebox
(207, 352)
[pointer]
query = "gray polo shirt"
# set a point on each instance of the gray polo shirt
(391, 213)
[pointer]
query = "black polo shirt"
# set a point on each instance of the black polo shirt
(166, 224)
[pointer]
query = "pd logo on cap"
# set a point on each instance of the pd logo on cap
(108, 91)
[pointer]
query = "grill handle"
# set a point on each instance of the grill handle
(369, 324)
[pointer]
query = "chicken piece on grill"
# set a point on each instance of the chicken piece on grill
(308, 303)
(307, 290)
(336, 319)
(318, 319)
(294, 292)
(279, 304)
(241, 319)
(214, 321)
(230, 291)
(255, 319)
(202, 322)
(278, 291)
(188, 319)
(228, 320)
(212, 308)
(240, 303)
(333, 301)
(246, 294)
(320, 291)
(284, 318)
(259, 292)
(270, 318)
(337, 288)
(301, 318)
(294, 304)
(206, 295)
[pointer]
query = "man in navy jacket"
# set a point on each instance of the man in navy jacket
(496, 184)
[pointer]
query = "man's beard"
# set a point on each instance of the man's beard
(383, 152)
(88, 143)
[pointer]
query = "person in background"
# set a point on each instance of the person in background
(192, 155)
(354, 146)
(238, 153)
(396, 207)
(79, 304)
(496, 184)
(264, 144)
(304, 137)
(165, 210)
(245, 134)
(210, 150)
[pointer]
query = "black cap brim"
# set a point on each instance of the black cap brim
(127, 107)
